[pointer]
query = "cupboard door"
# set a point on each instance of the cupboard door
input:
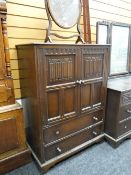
(92, 78)
(59, 74)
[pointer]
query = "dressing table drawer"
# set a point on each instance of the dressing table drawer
(126, 98)
(124, 127)
(125, 112)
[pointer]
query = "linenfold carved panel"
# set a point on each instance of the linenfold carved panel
(60, 68)
(92, 66)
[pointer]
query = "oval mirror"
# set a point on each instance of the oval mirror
(65, 13)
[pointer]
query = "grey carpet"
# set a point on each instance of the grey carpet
(99, 159)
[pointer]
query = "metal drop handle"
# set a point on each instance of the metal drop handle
(128, 111)
(95, 118)
(95, 133)
(59, 150)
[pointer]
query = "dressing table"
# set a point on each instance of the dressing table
(118, 110)
(118, 116)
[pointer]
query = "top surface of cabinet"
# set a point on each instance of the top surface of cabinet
(62, 44)
(120, 84)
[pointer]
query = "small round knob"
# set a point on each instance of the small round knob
(59, 150)
(125, 126)
(57, 132)
(95, 118)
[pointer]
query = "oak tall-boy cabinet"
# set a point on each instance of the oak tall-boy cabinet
(65, 90)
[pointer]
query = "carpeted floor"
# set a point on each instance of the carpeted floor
(99, 159)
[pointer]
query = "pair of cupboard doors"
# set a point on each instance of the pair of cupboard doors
(73, 79)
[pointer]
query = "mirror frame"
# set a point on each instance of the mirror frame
(109, 41)
(55, 20)
(50, 33)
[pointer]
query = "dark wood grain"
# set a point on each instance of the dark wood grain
(63, 129)
(65, 92)
(118, 112)
(71, 142)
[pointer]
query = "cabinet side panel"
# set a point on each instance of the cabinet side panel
(112, 112)
(29, 91)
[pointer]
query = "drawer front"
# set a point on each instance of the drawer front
(71, 142)
(66, 128)
(125, 112)
(126, 98)
(124, 127)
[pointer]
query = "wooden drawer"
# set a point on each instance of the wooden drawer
(124, 127)
(125, 112)
(73, 141)
(126, 98)
(66, 128)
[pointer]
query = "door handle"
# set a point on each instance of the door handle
(82, 81)
(78, 82)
